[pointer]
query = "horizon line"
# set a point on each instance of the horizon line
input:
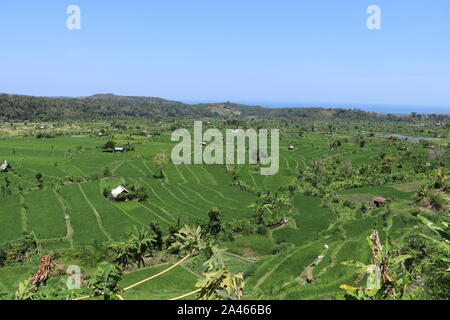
(273, 104)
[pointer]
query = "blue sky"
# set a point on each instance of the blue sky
(252, 50)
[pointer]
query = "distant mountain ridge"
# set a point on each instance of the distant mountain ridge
(111, 106)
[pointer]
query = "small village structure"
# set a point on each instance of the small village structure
(379, 201)
(282, 223)
(119, 150)
(291, 148)
(118, 191)
(5, 166)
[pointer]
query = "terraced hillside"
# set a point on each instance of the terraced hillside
(55, 190)
(77, 213)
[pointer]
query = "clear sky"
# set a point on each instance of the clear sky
(237, 50)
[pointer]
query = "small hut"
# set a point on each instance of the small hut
(5, 166)
(291, 148)
(379, 201)
(118, 191)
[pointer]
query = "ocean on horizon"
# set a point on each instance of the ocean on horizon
(378, 108)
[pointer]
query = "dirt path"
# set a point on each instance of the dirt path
(332, 258)
(268, 274)
(97, 215)
(23, 214)
(66, 211)
(248, 260)
(307, 276)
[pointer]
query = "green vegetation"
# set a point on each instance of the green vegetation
(217, 231)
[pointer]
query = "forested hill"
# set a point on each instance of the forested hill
(109, 106)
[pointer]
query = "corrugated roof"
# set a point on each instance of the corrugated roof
(120, 189)
(4, 166)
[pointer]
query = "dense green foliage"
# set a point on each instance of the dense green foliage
(287, 234)
(109, 106)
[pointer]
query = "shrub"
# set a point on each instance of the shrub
(283, 246)
(437, 201)
(20, 250)
(261, 229)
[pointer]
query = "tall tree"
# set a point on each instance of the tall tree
(158, 240)
(214, 225)
(160, 162)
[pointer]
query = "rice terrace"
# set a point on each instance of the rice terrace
(104, 195)
(224, 158)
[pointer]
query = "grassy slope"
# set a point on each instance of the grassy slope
(188, 192)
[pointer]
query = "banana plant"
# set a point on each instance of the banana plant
(105, 282)
(442, 231)
(221, 285)
(382, 282)
(216, 260)
(189, 239)
(441, 178)
(26, 291)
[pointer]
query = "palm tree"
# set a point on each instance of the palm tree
(261, 208)
(160, 161)
(141, 244)
(187, 239)
(440, 178)
(158, 239)
(134, 248)
(423, 194)
(219, 283)
(122, 251)
(283, 201)
(387, 164)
